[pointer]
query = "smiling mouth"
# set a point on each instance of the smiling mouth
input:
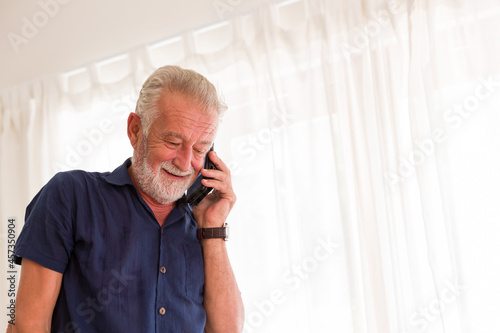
(174, 176)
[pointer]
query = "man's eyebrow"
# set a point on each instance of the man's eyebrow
(172, 134)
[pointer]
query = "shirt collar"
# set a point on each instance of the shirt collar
(121, 177)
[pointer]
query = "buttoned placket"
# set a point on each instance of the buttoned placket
(161, 273)
(162, 310)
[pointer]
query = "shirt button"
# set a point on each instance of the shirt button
(163, 269)
(162, 311)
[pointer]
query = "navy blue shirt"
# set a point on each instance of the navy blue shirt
(122, 272)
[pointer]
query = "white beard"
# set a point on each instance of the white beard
(155, 183)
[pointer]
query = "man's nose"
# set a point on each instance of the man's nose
(182, 159)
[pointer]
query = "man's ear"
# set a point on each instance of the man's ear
(134, 129)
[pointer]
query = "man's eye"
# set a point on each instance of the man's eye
(175, 144)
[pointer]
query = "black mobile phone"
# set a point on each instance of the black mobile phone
(198, 191)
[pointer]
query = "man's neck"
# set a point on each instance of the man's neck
(160, 211)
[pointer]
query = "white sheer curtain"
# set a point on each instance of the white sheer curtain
(362, 141)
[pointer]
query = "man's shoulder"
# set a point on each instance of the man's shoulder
(70, 183)
(78, 181)
(77, 177)
(68, 187)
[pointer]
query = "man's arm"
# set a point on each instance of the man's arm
(37, 295)
(222, 299)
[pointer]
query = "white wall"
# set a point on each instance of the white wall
(83, 31)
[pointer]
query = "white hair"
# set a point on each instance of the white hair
(180, 80)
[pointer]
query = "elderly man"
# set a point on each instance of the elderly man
(122, 251)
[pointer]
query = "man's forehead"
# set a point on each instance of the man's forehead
(182, 117)
(188, 112)
(178, 123)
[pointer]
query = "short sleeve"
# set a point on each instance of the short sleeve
(47, 235)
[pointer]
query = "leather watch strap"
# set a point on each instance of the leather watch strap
(207, 233)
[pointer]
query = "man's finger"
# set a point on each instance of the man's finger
(218, 162)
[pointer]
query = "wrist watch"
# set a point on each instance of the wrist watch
(207, 233)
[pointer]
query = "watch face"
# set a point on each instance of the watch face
(226, 231)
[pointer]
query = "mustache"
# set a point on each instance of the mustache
(170, 168)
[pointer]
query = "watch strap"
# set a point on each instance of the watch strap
(208, 233)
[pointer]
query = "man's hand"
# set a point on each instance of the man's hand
(213, 210)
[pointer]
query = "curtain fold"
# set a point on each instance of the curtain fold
(362, 141)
